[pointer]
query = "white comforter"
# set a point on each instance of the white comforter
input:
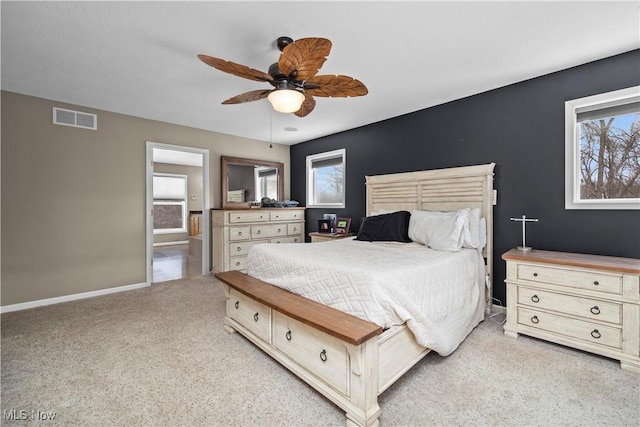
(440, 295)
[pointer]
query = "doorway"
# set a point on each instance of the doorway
(173, 252)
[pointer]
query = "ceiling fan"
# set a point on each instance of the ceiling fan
(293, 77)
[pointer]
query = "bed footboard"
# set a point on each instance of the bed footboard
(334, 352)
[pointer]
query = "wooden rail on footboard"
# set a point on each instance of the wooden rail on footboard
(334, 352)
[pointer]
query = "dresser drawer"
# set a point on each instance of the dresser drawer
(321, 353)
(241, 248)
(573, 328)
(290, 239)
(238, 263)
(251, 314)
(266, 231)
(568, 304)
(239, 233)
(249, 216)
(581, 279)
(287, 215)
(295, 228)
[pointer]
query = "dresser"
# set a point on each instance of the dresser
(235, 231)
(588, 302)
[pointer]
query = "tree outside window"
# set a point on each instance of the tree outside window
(603, 151)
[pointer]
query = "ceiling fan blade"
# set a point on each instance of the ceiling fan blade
(307, 106)
(254, 95)
(334, 86)
(235, 69)
(304, 57)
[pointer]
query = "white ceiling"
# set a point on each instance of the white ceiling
(139, 58)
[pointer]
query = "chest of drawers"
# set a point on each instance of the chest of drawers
(587, 302)
(234, 232)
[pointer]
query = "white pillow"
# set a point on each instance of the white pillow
(482, 241)
(438, 230)
(471, 230)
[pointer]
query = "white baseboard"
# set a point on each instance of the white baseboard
(65, 298)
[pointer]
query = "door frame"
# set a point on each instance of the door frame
(206, 204)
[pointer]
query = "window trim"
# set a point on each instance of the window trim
(572, 147)
(342, 153)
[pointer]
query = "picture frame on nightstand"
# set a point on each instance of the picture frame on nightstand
(324, 226)
(342, 225)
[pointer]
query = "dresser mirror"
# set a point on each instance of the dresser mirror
(245, 181)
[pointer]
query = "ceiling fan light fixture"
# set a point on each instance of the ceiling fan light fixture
(286, 100)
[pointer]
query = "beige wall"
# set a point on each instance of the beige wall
(73, 200)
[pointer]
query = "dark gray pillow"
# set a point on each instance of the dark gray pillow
(391, 227)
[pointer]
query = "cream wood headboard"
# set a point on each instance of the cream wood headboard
(438, 190)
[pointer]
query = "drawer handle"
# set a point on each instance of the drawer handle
(535, 274)
(259, 231)
(288, 335)
(595, 310)
(237, 263)
(323, 355)
(238, 248)
(255, 317)
(279, 230)
(260, 216)
(239, 233)
(237, 304)
(596, 334)
(535, 298)
(535, 320)
(595, 282)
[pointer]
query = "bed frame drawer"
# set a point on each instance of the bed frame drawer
(255, 317)
(316, 351)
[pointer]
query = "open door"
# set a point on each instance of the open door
(179, 155)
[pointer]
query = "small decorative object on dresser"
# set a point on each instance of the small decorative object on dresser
(589, 302)
(342, 225)
(235, 231)
(324, 226)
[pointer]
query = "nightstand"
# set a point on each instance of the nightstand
(327, 237)
(588, 302)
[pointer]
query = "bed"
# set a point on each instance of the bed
(348, 351)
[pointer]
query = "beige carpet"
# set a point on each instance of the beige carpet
(159, 357)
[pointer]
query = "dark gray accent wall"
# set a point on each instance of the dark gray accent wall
(519, 127)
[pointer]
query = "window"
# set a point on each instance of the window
(326, 179)
(266, 182)
(603, 151)
(169, 203)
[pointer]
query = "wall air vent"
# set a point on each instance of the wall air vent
(76, 119)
